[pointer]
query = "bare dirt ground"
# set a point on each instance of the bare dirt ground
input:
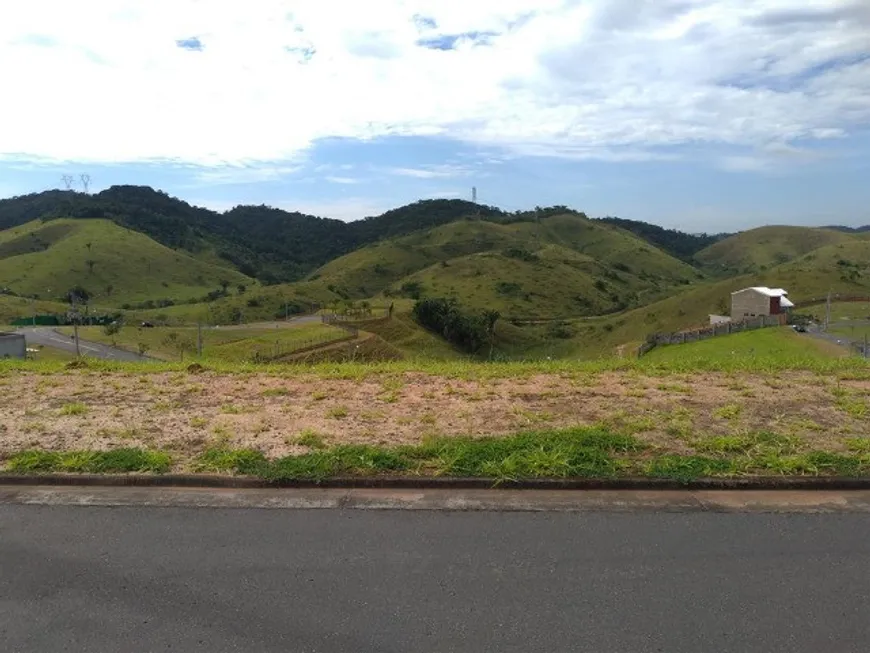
(187, 413)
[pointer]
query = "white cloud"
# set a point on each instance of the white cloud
(104, 81)
(443, 171)
(342, 180)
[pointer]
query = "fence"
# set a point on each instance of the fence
(340, 321)
(681, 337)
(834, 298)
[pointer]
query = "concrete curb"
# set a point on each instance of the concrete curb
(431, 483)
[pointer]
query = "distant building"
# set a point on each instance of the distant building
(12, 345)
(759, 300)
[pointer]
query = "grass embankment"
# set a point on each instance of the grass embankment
(671, 418)
(219, 344)
(774, 342)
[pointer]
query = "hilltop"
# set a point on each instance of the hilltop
(116, 265)
(765, 247)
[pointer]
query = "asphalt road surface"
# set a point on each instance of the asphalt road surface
(194, 579)
(48, 337)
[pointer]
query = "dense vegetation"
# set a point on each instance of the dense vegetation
(467, 330)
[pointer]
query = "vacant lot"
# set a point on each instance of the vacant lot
(735, 415)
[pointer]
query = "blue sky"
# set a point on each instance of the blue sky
(704, 115)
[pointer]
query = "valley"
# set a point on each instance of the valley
(562, 285)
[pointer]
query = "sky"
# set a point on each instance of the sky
(703, 115)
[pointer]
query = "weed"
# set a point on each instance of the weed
(679, 388)
(275, 392)
(724, 444)
(198, 422)
(729, 411)
(688, 468)
(319, 395)
(74, 408)
(231, 409)
(249, 462)
(626, 423)
(858, 445)
(113, 461)
(310, 439)
(806, 424)
(339, 412)
(428, 418)
(854, 406)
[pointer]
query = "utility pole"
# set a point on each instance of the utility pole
(828, 312)
(67, 181)
(199, 339)
(75, 318)
(86, 182)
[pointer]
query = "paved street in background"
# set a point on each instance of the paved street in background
(204, 579)
(48, 337)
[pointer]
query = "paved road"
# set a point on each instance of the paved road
(216, 580)
(48, 337)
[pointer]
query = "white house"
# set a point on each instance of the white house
(759, 300)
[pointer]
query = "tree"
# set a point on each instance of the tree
(143, 348)
(180, 343)
(490, 317)
(224, 284)
(109, 290)
(90, 263)
(241, 288)
(111, 329)
(77, 295)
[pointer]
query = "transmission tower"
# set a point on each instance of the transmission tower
(86, 181)
(474, 200)
(68, 181)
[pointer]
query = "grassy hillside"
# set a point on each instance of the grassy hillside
(233, 345)
(835, 268)
(782, 343)
(12, 308)
(114, 264)
(528, 268)
(766, 247)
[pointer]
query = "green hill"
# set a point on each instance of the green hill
(277, 246)
(562, 265)
(766, 247)
(116, 265)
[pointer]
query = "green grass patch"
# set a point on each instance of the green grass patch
(310, 439)
(114, 461)
(757, 348)
(688, 468)
(248, 462)
(74, 408)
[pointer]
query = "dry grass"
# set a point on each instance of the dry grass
(267, 413)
